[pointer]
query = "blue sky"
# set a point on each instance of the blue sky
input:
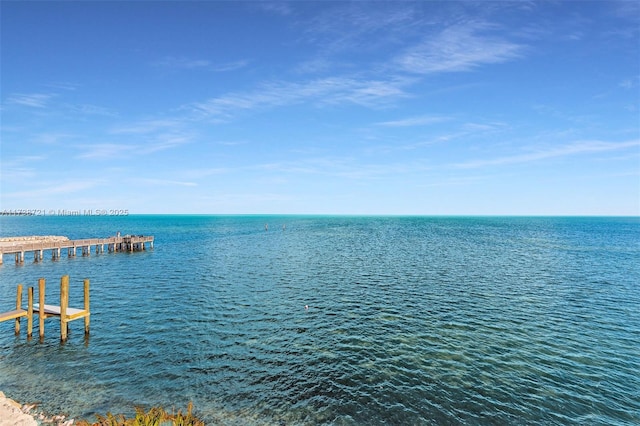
(416, 108)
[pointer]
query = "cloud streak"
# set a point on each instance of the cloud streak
(163, 182)
(577, 148)
(424, 120)
(182, 63)
(326, 91)
(105, 151)
(33, 100)
(146, 126)
(457, 48)
(60, 188)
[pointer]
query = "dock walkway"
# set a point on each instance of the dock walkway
(114, 244)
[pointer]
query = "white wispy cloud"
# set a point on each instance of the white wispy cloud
(577, 148)
(200, 173)
(229, 66)
(315, 66)
(447, 181)
(51, 138)
(342, 31)
(88, 109)
(343, 167)
(19, 168)
(458, 48)
(151, 135)
(275, 7)
(103, 151)
(273, 170)
(59, 188)
(462, 131)
(44, 101)
(172, 62)
(22, 159)
(423, 120)
(184, 63)
(163, 142)
(146, 126)
(355, 26)
(155, 143)
(34, 100)
(63, 86)
(629, 83)
(163, 182)
(333, 90)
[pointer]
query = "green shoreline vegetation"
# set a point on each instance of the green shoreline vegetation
(156, 416)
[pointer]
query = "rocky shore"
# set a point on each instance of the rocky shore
(13, 413)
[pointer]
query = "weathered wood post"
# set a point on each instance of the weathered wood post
(41, 289)
(64, 303)
(18, 307)
(30, 313)
(86, 306)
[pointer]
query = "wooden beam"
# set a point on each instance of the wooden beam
(30, 313)
(41, 314)
(87, 320)
(64, 304)
(18, 308)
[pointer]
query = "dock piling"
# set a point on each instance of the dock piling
(18, 308)
(41, 314)
(30, 313)
(87, 318)
(66, 313)
(64, 302)
(18, 312)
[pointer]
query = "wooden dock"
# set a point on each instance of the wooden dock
(44, 311)
(126, 243)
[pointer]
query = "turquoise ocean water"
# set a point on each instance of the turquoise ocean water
(410, 320)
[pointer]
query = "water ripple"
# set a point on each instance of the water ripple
(345, 321)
